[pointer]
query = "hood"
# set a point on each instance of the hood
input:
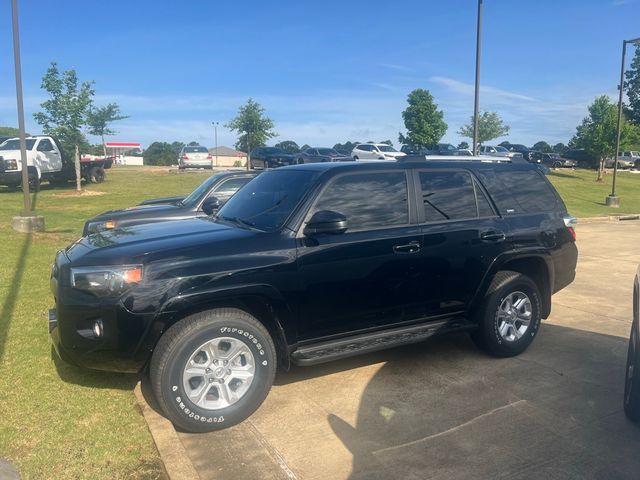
(156, 201)
(145, 242)
(139, 211)
(12, 154)
(394, 154)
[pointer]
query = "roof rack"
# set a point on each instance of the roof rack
(454, 158)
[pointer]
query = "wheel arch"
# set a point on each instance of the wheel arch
(266, 307)
(538, 267)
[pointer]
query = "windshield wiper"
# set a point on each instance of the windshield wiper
(239, 221)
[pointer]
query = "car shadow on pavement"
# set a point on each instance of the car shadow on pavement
(444, 409)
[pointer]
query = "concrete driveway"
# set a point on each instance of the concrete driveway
(443, 410)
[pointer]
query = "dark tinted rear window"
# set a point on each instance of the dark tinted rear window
(448, 196)
(196, 150)
(524, 191)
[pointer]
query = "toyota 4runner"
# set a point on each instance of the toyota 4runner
(312, 263)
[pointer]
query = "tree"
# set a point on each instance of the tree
(632, 86)
(162, 153)
(505, 144)
(98, 120)
(65, 112)
(252, 126)
(490, 126)
(463, 146)
(388, 142)
(424, 122)
(288, 146)
(347, 146)
(560, 148)
(193, 144)
(10, 132)
(597, 132)
(542, 146)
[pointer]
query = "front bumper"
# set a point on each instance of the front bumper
(11, 177)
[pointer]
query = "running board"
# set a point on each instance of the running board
(371, 342)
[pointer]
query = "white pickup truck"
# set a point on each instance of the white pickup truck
(45, 161)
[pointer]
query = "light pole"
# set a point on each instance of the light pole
(27, 221)
(612, 200)
(476, 102)
(215, 134)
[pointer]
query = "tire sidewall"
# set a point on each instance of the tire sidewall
(191, 417)
(632, 388)
(499, 344)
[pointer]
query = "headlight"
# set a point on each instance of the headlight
(106, 280)
(11, 164)
(95, 227)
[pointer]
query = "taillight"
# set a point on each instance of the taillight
(209, 157)
(571, 222)
(184, 157)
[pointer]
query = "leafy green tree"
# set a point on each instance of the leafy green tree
(10, 132)
(560, 148)
(463, 146)
(193, 144)
(347, 146)
(160, 153)
(490, 126)
(288, 146)
(597, 132)
(632, 87)
(65, 111)
(252, 126)
(98, 120)
(424, 122)
(388, 142)
(542, 146)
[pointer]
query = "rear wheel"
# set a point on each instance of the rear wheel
(97, 175)
(355, 158)
(632, 376)
(213, 369)
(509, 317)
(557, 164)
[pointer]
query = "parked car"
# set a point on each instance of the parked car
(194, 157)
(584, 158)
(46, 161)
(623, 162)
(312, 155)
(498, 151)
(555, 160)
(204, 200)
(632, 371)
(521, 149)
(375, 151)
(312, 263)
(270, 157)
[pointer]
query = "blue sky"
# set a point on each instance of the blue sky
(326, 72)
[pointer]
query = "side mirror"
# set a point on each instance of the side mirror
(210, 205)
(326, 221)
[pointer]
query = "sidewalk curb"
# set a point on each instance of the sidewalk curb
(610, 218)
(174, 457)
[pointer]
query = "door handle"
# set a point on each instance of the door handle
(492, 236)
(411, 247)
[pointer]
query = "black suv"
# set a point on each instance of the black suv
(270, 157)
(312, 263)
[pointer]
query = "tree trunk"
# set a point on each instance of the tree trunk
(78, 177)
(600, 170)
(248, 153)
(104, 147)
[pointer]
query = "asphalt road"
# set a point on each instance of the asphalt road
(444, 410)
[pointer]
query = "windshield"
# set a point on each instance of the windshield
(14, 144)
(501, 149)
(267, 201)
(386, 148)
(327, 151)
(191, 199)
(196, 150)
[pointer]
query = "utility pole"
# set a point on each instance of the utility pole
(613, 200)
(27, 221)
(476, 102)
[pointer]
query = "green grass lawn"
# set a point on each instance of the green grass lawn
(56, 421)
(60, 422)
(585, 197)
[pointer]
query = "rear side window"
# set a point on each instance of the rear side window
(450, 196)
(229, 187)
(523, 191)
(368, 200)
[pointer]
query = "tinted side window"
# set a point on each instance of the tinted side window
(368, 200)
(229, 187)
(484, 207)
(524, 191)
(447, 196)
(45, 145)
(366, 148)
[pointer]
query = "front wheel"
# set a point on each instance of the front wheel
(509, 317)
(632, 377)
(34, 181)
(97, 175)
(355, 158)
(213, 369)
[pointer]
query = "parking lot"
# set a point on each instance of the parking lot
(444, 410)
